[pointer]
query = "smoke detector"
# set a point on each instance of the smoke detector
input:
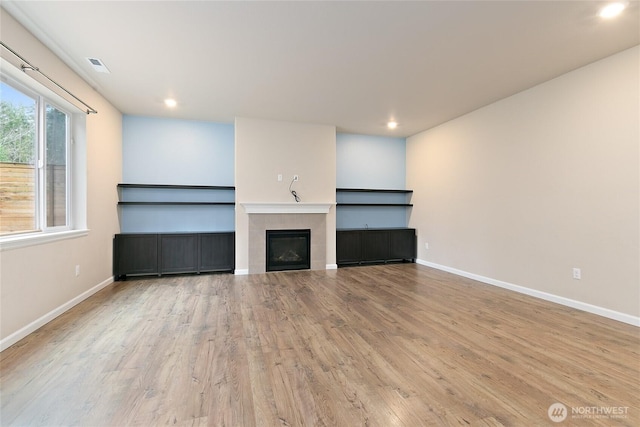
(98, 65)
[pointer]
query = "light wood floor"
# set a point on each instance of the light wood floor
(395, 345)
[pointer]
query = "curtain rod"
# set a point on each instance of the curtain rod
(27, 66)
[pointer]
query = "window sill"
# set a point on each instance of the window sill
(16, 242)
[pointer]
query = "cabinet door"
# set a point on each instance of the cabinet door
(217, 252)
(178, 253)
(135, 254)
(375, 245)
(348, 248)
(402, 244)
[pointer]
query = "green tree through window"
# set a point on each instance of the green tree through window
(17, 133)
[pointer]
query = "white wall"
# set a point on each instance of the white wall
(529, 187)
(266, 148)
(37, 281)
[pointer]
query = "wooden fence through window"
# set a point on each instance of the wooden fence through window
(17, 197)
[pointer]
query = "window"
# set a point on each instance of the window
(56, 173)
(35, 146)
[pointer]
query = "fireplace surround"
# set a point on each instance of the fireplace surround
(259, 222)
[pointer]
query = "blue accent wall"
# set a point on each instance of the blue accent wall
(365, 161)
(171, 151)
(374, 162)
(177, 152)
(185, 152)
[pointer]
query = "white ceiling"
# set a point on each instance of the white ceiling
(354, 65)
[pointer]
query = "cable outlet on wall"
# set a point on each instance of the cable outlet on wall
(279, 177)
(426, 245)
(77, 270)
(577, 274)
(296, 177)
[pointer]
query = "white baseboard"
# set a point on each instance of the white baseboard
(594, 309)
(38, 323)
(332, 266)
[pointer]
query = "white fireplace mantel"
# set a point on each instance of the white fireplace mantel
(287, 208)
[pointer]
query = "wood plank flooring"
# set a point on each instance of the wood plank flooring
(394, 345)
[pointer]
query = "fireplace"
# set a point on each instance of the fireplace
(288, 250)
(259, 223)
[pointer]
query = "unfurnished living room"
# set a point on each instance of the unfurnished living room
(319, 213)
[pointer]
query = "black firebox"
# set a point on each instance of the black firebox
(288, 250)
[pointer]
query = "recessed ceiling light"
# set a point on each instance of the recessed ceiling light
(392, 124)
(612, 10)
(171, 103)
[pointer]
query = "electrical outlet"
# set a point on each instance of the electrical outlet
(296, 177)
(426, 246)
(77, 270)
(577, 274)
(279, 177)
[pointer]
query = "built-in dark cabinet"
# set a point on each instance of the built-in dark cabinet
(348, 246)
(169, 253)
(135, 254)
(375, 246)
(157, 249)
(368, 246)
(217, 252)
(178, 253)
(403, 244)
(387, 243)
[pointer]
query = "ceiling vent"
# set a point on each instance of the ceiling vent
(98, 65)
